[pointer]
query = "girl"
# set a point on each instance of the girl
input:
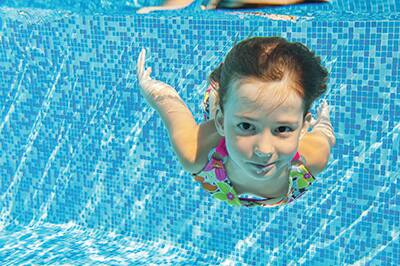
(255, 139)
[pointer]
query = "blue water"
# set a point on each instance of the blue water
(87, 173)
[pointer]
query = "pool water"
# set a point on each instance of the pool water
(88, 175)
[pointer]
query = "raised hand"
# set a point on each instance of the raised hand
(323, 123)
(154, 91)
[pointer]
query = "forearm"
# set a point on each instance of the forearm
(175, 114)
(167, 102)
(177, 118)
(315, 146)
(177, 3)
(314, 138)
(314, 149)
(272, 2)
(181, 126)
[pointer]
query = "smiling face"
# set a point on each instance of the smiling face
(267, 116)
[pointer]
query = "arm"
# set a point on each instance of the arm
(272, 2)
(180, 3)
(182, 128)
(314, 147)
(191, 142)
(168, 5)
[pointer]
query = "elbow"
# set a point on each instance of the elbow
(321, 163)
(192, 167)
(187, 165)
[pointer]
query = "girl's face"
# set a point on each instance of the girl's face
(267, 116)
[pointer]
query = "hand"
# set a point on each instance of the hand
(211, 4)
(167, 5)
(226, 3)
(146, 10)
(153, 91)
(323, 123)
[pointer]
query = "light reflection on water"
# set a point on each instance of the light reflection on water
(102, 158)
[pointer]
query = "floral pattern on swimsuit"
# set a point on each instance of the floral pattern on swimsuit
(215, 180)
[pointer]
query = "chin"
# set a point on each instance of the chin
(263, 176)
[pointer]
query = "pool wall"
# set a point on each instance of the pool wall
(79, 144)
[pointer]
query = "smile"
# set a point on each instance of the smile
(263, 169)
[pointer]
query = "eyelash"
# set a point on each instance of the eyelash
(290, 129)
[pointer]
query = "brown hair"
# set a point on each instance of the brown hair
(270, 59)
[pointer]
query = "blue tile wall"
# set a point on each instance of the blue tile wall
(79, 144)
(372, 7)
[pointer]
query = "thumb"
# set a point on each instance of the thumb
(313, 121)
(147, 73)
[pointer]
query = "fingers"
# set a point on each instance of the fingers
(148, 9)
(325, 104)
(324, 109)
(142, 74)
(140, 63)
(312, 122)
(145, 10)
(147, 73)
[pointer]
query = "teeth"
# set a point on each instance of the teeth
(263, 169)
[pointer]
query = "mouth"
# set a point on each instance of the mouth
(263, 169)
(262, 165)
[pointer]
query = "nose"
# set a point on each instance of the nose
(264, 143)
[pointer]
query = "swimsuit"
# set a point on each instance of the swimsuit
(215, 180)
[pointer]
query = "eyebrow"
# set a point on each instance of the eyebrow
(279, 122)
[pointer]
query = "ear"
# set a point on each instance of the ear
(306, 125)
(219, 121)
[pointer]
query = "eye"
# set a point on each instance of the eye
(283, 128)
(246, 126)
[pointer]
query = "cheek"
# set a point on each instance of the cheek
(289, 148)
(239, 145)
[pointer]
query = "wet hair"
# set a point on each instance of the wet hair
(271, 59)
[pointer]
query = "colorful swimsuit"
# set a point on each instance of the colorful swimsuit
(215, 180)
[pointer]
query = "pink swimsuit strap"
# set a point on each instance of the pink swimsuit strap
(221, 148)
